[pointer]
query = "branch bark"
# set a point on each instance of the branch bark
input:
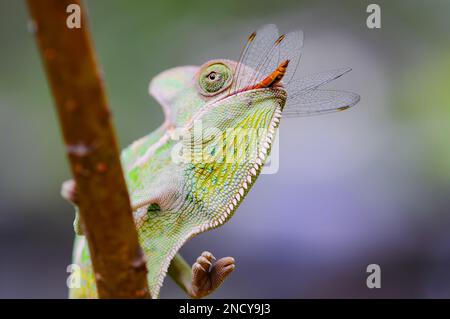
(84, 116)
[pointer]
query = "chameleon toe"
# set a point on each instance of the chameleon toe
(208, 255)
(205, 263)
(220, 271)
(208, 276)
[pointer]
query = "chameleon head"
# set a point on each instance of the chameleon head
(185, 91)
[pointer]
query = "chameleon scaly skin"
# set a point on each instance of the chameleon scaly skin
(174, 201)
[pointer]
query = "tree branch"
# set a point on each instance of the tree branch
(84, 116)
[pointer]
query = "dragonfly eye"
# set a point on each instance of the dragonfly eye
(214, 79)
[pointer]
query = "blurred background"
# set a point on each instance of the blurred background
(370, 185)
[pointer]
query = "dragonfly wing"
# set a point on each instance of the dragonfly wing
(317, 102)
(313, 81)
(286, 47)
(263, 53)
(258, 47)
(290, 49)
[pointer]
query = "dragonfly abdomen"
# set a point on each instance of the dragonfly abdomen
(275, 77)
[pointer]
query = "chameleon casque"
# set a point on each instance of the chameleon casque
(177, 197)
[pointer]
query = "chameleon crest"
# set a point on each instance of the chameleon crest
(191, 174)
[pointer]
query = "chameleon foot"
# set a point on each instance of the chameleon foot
(69, 191)
(208, 275)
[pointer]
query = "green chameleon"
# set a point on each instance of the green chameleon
(192, 173)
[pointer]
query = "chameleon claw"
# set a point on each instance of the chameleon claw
(208, 255)
(205, 263)
(69, 191)
(208, 276)
(197, 269)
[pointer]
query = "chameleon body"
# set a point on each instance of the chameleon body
(174, 200)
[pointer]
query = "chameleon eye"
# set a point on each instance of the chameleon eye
(212, 76)
(214, 79)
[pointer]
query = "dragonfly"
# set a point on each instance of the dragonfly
(274, 60)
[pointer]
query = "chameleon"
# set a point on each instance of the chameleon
(191, 174)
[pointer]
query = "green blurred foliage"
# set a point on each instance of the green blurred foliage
(423, 103)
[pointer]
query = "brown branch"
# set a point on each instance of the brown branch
(84, 116)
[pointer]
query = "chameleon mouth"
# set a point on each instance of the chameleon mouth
(272, 80)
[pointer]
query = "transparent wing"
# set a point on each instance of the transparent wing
(264, 51)
(286, 47)
(313, 81)
(316, 102)
(290, 49)
(257, 48)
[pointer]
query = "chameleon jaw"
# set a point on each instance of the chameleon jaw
(251, 177)
(235, 201)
